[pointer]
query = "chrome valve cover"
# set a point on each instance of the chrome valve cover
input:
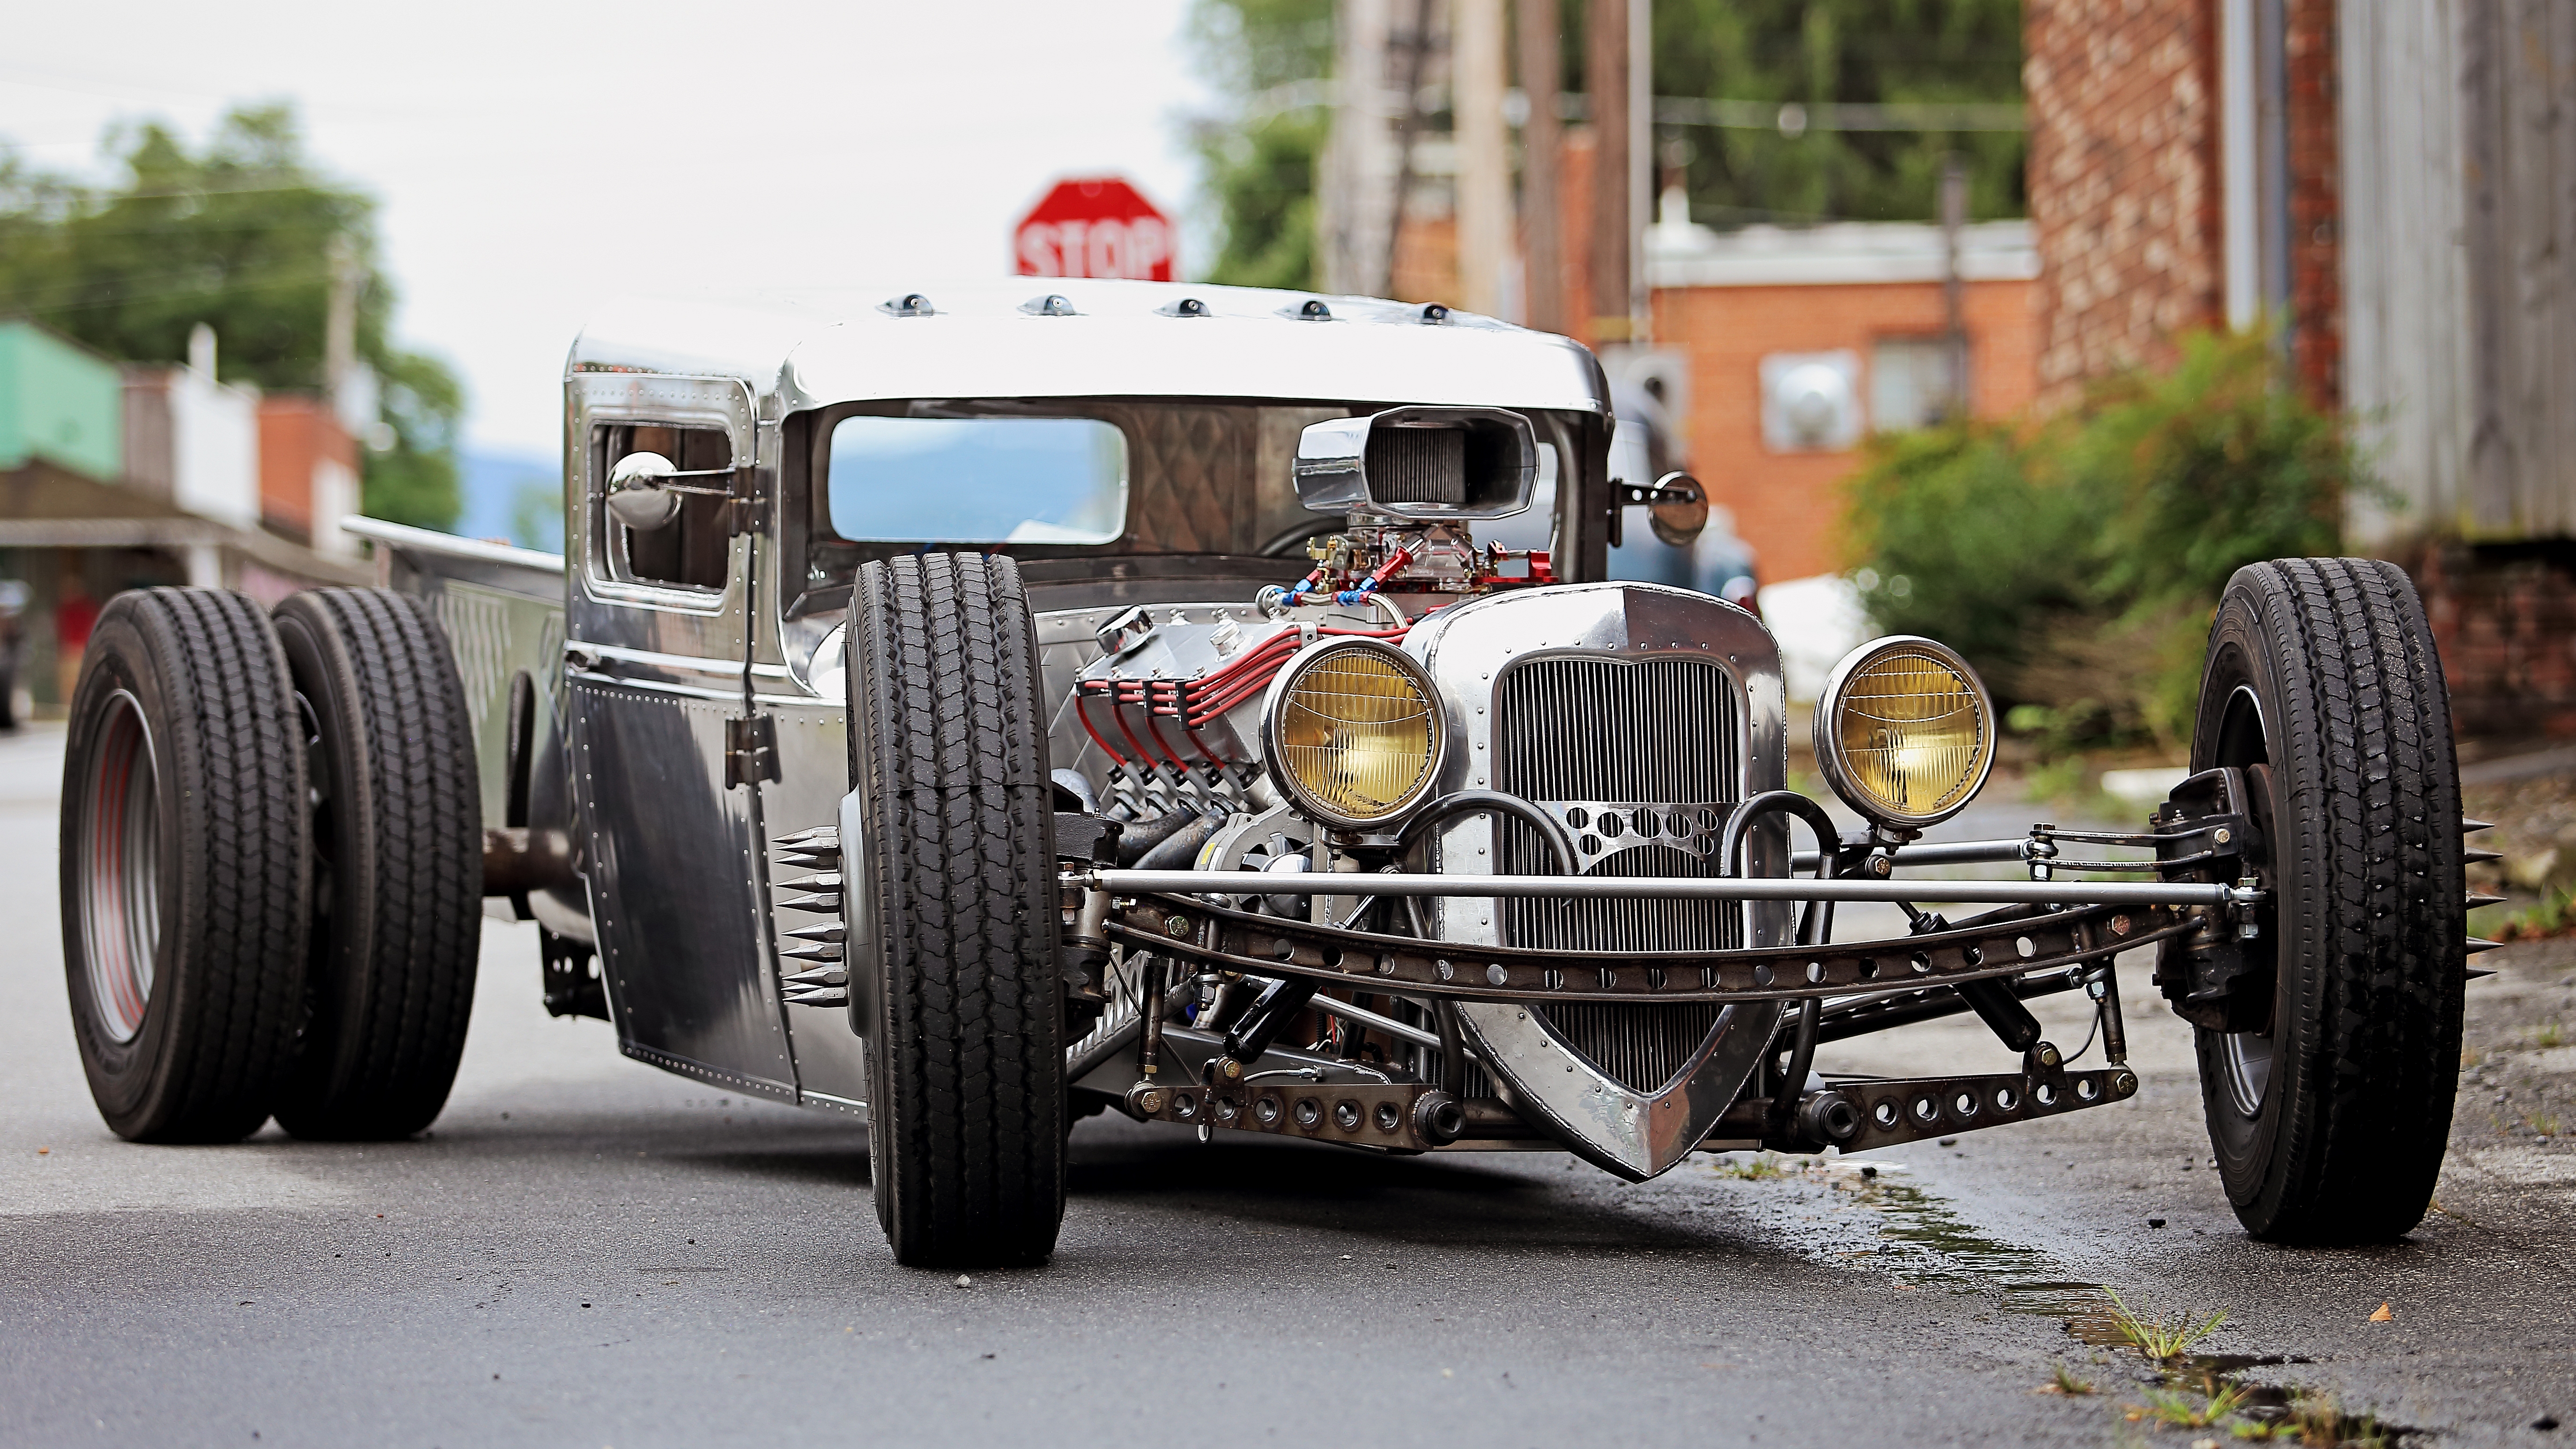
(1636, 714)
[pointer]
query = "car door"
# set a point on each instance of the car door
(654, 661)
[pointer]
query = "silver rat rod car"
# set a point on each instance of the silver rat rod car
(976, 711)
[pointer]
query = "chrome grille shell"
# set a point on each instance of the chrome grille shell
(1553, 640)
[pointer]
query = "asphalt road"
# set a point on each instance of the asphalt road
(588, 1252)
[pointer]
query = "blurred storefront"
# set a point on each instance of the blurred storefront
(122, 477)
(1799, 344)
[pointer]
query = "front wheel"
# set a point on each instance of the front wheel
(2328, 1088)
(951, 912)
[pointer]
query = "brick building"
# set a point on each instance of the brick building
(2388, 183)
(1744, 309)
(1732, 312)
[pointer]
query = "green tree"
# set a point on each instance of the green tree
(1865, 51)
(1268, 59)
(239, 235)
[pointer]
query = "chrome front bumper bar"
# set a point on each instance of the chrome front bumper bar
(2178, 895)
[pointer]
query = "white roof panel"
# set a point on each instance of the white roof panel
(982, 339)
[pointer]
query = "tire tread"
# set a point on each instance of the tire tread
(381, 1065)
(967, 1115)
(231, 965)
(2368, 1096)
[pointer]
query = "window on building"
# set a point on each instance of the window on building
(1909, 382)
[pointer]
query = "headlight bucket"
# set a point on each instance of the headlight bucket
(1353, 732)
(1905, 732)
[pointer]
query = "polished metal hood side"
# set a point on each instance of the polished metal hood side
(1635, 1131)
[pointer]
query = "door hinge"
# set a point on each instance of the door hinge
(751, 750)
(747, 515)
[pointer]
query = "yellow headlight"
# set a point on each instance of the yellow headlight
(1353, 734)
(1904, 733)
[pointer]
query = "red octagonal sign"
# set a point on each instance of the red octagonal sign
(1096, 226)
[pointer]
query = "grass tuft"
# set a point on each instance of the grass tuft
(2316, 1419)
(2164, 1338)
(1757, 1168)
(2190, 1411)
(2062, 1379)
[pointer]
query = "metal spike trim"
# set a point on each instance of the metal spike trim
(2478, 944)
(826, 903)
(830, 881)
(819, 976)
(832, 933)
(831, 833)
(812, 953)
(2480, 898)
(819, 997)
(812, 860)
(2472, 827)
(2472, 857)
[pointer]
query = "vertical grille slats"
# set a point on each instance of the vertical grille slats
(1656, 730)
(1607, 729)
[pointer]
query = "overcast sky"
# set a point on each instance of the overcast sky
(534, 157)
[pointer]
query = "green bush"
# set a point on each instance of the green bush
(2076, 560)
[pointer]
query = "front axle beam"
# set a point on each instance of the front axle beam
(2009, 942)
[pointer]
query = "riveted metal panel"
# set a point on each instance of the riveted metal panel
(675, 892)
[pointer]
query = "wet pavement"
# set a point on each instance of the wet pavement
(587, 1251)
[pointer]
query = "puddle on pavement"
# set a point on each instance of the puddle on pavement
(1923, 1240)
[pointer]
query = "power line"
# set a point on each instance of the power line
(1789, 118)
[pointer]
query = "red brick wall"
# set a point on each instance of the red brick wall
(2504, 619)
(2124, 180)
(2316, 199)
(1789, 505)
(296, 432)
(2126, 187)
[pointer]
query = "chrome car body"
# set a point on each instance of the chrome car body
(664, 742)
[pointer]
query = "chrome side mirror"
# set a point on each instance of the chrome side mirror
(640, 491)
(1676, 507)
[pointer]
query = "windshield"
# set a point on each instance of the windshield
(1049, 479)
(977, 480)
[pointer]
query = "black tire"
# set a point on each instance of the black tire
(2329, 1120)
(398, 865)
(185, 882)
(956, 979)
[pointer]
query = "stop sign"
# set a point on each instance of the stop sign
(1096, 226)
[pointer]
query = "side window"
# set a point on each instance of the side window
(692, 550)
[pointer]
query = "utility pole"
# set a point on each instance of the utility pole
(1413, 50)
(1359, 163)
(1542, 61)
(340, 321)
(1606, 58)
(1484, 160)
(1641, 164)
(1954, 300)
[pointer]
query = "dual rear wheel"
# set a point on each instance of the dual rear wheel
(271, 865)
